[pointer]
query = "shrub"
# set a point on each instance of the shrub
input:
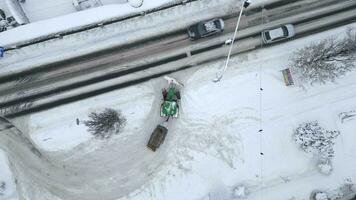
(106, 123)
(313, 138)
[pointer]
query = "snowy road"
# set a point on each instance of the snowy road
(84, 75)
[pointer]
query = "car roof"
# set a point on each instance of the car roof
(276, 33)
(210, 26)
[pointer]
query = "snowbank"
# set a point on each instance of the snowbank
(74, 21)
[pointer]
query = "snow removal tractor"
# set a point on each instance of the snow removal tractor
(169, 108)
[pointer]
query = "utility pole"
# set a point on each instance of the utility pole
(245, 4)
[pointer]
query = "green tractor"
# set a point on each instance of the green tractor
(171, 98)
(169, 108)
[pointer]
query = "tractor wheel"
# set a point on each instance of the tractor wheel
(164, 93)
(178, 95)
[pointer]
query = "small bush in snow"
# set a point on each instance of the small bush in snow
(325, 60)
(106, 123)
(346, 190)
(321, 196)
(313, 138)
(240, 191)
(2, 187)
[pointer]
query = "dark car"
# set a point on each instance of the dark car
(205, 28)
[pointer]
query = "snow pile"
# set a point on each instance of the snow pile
(135, 3)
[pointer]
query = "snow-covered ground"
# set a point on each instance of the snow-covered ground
(7, 182)
(212, 147)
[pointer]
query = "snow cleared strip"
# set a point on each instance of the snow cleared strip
(114, 35)
(74, 22)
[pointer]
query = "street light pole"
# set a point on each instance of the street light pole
(245, 4)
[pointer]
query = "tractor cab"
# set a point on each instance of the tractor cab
(171, 98)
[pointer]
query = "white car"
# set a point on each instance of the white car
(277, 34)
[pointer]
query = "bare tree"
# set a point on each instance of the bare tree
(106, 123)
(326, 60)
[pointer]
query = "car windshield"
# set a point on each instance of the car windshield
(218, 24)
(268, 37)
(285, 31)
